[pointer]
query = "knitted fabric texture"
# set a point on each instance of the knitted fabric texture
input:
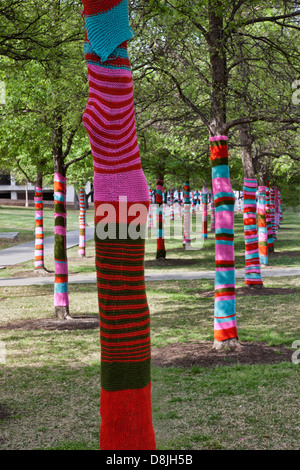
(273, 213)
(204, 214)
(108, 26)
(61, 296)
(160, 252)
(171, 204)
(82, 214)
(120, 192)
(252, 263)
(269, 219)
(262, 226)
(212, 214)
(187, 216)
(150, 212)
(225, 318)
(39, 230)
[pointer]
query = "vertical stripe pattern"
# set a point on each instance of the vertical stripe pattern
(160, 251)
(224, 315)
(252, 263)
(204, 214)
(82, 217)
(39, 229)
(61, 297)
(186, 216)
(262, 226)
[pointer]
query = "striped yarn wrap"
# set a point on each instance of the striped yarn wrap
(82, 216)
(277, 222)
(280, 208)
(212, 214)
(39, 229)
(121, 199)
(273, 212)
(160, 251)
(150, 212)
(224, 312)
(269, 220)
(61, 296)
(204, 214)
(186, 215)
(171, 204)
(252, 262)
(262, 226)
(192, 202)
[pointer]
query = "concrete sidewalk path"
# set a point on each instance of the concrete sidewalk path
(166, 276)
(25, 252)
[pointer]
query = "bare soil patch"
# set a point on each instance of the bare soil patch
(4, 413)
(78, 322)
(170, 262)
(201, 354)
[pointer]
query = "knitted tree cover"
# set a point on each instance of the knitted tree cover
(39, 230)
(225, 319)
(197, 201)
(277, 208)
(82, 214)
(280, 208)
(273, 213)
(61, 297)
(187, 216)
(150, 213)
(212, 214)
(262, 226)
(269, 220)
(171, 204)
(160, 251)
(252, 263)
(120, 193)
(204, 214)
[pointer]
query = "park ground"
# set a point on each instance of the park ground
(49, 386)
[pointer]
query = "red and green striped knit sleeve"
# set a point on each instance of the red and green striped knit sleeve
(120, 193)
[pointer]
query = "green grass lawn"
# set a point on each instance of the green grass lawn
(50, 383)
(51, 380)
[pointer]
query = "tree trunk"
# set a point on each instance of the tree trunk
(269, 220)
(252, 262)
(179, 203)
(204, 213)
(121, 189)
(150, 213)
(187, 217)
(212, 213)
(161, 251)
(61, 296)
(262, 226)
(171, 204)
(39, 229)
(82, 217)
(225, 329)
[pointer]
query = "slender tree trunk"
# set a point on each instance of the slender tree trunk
(273, 213)
(212, 213)
(252, 261)
(204, 214)
(269, 220)
(179, 203)
(187, 217)
(39, 229)
(82, 218)
(262, 226)
(150, 213)
(26, 194)
(61, 296)
(161, 251)
(171, 204)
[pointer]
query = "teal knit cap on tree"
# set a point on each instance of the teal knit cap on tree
(107, 24)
